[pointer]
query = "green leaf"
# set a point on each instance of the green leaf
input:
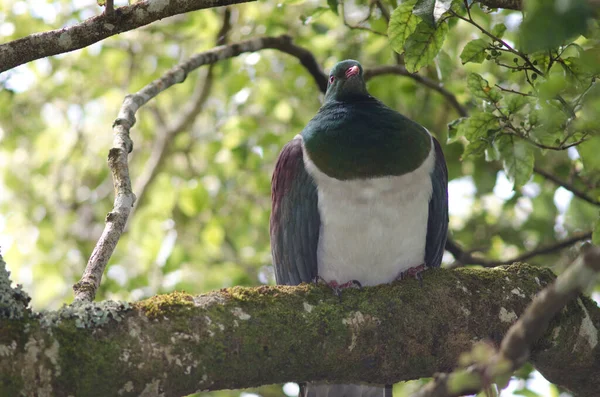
(456, 129)
(585, 66)
(476, 147)
(313, 15)
(333, 6)
(516, 102)
(445, 65)
(547, 26)
(402, 24)
(474, 51)
(550, 129)
(477, 130)
(553, 86)
(424, 10)
(498, 30)
(483, 177)
(596, 233)
(441, 7)
(480, 88)
(423, 45)
(192, 200)
(518, 159)
(526, 393)
(431, 11)
(588, 151)
(479, 124)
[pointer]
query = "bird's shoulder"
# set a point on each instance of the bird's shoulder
(363, 115)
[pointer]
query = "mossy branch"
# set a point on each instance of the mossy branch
(176, 344)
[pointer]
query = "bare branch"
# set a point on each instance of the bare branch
(92, 30)
(85, 289)
(507, 4)
(463, 257)
(576, 192)
(306, 58)
(240, 337)
(508, 89)
(186, 118)
(515, 348)
(384, 10)
(560, 147)
(110, 7)
(401, 70)
(359, 27)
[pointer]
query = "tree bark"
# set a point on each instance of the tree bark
(176, 344)
(92, 30)
(507, 4)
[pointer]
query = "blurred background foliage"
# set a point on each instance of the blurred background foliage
(203, 185)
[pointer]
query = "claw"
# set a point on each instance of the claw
(337, 288)
(416, 272)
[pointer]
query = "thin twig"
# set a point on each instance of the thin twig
(512, 91)
(560, 147)
(508, 47)
(357, 26)
(583, 94)
(401, 70)
(384, 11)
(576, 192)
(464, 257)
(187, 116)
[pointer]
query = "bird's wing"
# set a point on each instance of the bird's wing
(437, 223)
(295, 219)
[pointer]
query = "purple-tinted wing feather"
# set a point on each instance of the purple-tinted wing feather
(295, 220)
(437, 223)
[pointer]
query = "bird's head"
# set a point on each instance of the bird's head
(346, 82)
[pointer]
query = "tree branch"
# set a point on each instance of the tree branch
(576, 192)
(92, 30)
(506, 4)
(185, 120)
(307, 59)
(85, 289)
(401, 70)
(240, 337)
(515, 347)
(463, 257)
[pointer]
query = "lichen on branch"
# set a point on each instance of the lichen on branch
(239, 337)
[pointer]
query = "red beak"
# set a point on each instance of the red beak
(352, 71)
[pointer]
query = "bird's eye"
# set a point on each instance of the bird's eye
(331, 78)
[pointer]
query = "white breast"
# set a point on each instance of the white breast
(372, 230)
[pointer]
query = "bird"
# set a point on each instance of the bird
(359, 197)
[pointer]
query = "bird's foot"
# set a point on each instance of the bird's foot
(335, 286)
(319, 280)
(338, 288)
(416, 272)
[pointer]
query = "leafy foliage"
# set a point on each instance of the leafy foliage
(474, 51)
(403, 24)
(547, 26)
(423, 45)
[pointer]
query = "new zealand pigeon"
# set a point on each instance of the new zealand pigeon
(361, 195)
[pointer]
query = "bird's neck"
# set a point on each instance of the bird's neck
(364, 139)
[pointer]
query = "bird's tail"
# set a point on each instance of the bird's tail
(332, 390)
